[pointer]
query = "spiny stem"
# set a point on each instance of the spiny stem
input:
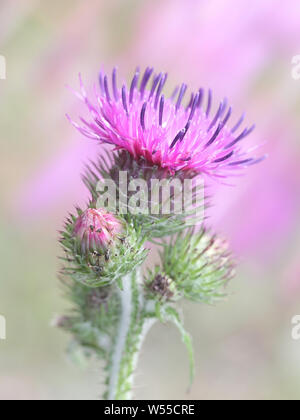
(125, 320)
(133, 328)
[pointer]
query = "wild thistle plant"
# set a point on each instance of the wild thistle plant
(157, 141)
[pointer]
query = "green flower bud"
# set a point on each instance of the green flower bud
(199, 264)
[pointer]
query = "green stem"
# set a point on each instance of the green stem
(133, 327)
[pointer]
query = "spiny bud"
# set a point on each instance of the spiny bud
(96, 230)
(100, 248)
(200, 265)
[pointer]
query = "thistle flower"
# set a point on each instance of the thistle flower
(159, 137)
(96, 229)
(161, 130)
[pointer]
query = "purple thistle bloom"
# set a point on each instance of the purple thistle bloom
(163, 131)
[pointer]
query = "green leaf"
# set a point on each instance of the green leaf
(174, 317)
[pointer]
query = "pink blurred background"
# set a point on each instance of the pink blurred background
(243, 50)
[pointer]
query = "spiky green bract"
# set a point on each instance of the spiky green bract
(95, 269)
(199, 264)
(171, 203)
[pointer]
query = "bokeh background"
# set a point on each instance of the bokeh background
(243, 50)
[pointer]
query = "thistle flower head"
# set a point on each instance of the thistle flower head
(96, 229)
(162, 130)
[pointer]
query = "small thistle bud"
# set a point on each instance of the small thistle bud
(162, 286)
(96, 230)
(200, 265)
(100, 248)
